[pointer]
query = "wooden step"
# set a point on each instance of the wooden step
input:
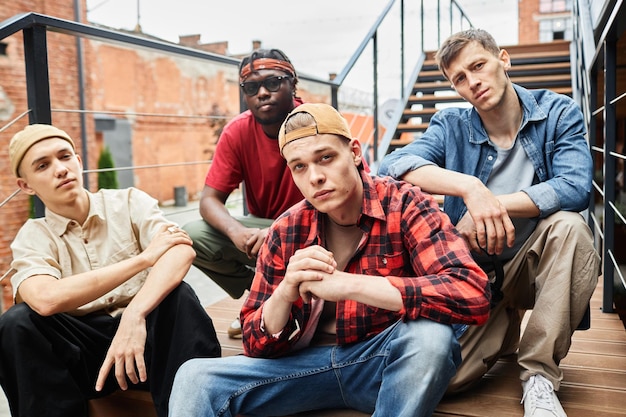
(412, 127)
(545, 69)
(594, 375)
(432, 99)
(527, 81)
(520, 58)
(428, 111)
(534, 68)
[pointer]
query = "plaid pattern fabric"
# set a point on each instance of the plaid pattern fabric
(407, 239)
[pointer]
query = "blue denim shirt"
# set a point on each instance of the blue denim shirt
(552, 134)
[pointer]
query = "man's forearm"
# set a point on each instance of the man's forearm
(166, 274)
(48, 295)
(435, 180)
(217, 215)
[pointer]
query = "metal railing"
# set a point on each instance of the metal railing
(449, 17)
(595, 54)
(35, 29)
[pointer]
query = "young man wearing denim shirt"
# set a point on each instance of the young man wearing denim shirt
(515, 170)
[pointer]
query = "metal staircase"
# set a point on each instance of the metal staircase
(543, 65)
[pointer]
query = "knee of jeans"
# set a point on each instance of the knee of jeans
(436, 341)
(187, 378)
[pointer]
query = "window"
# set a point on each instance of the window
(555, 29)
(554, 6)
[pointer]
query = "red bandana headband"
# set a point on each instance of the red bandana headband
(266, 63)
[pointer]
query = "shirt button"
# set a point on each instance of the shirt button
(384, 261)
(490, 157)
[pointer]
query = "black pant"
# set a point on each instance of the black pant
(49, 365)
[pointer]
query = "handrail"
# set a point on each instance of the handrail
(372, 36)
(31, 20)
(595, 53)
(23, 21)
(35, 26)
(366, 40)
(397, 113)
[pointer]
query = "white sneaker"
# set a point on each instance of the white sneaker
(234, 330)
(539, 398)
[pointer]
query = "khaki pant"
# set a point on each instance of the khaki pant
(219, 258)
(554, 274)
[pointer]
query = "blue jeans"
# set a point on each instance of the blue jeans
(403, 371)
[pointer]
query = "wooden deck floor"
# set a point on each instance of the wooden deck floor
(594, 372)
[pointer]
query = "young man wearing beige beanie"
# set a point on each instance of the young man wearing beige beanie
(100, 302)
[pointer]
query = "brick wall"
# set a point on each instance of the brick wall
(131, 83)
(528, 24)
(145, 86)
(64, 94)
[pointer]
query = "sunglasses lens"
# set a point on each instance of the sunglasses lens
(250, 88)
(272, 84)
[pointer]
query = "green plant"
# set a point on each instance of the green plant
(106, 179)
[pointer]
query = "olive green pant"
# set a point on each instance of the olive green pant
(219, 258)
(554, 275)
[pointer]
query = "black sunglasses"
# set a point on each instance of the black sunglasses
(271, 84)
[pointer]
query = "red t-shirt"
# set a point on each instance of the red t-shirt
(245, 153)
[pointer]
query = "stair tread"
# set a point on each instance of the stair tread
(541, 65)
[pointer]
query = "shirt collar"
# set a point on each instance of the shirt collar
(59, 224)
(530, 109)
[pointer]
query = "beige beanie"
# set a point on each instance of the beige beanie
(31, 134)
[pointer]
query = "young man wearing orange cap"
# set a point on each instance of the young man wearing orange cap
(354, 296)
(100, 302)
(247, 152)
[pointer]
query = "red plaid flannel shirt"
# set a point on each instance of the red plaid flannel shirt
(408, 240)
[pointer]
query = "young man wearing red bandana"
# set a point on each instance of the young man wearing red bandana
(247, 152)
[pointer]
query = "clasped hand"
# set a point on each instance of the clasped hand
(311, 273)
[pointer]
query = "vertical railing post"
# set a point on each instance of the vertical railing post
(422, 23)
(37, 78)
(375, 72)
(81, 96)
(438, 23)
(334, 96)
(402, 49)
(37, 85)
(610, 86)
(451, 23)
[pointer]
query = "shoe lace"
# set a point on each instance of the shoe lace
(539, 391)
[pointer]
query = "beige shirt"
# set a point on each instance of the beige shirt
(120, 224)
